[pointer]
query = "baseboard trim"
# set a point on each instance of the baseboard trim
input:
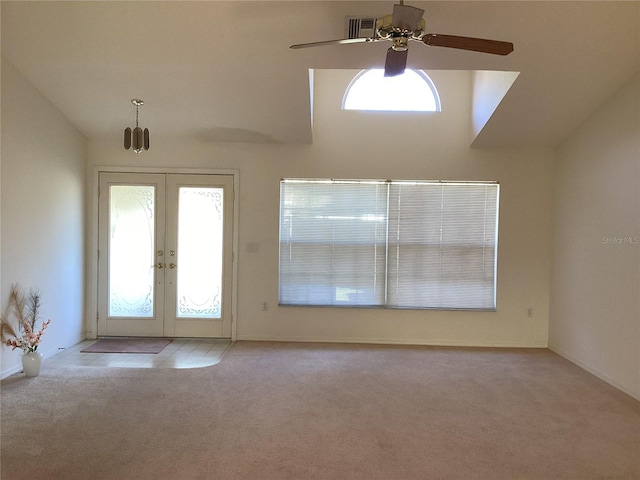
(386, 341)
(10, 371)
(595, 372)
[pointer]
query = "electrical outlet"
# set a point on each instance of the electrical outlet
(265, 306)
(530, 312)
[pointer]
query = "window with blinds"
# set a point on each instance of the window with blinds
(395, 244)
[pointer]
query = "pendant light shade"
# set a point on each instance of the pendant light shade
(136, 138)
(127, 138)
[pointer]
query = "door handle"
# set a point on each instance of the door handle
(172, 266)
(159, 265)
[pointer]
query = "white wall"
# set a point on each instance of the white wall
(489, 89)
(398, 146)
(595, 311)
(43, 201)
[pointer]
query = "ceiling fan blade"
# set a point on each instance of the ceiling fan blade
(343, 41)
(395, 63)
(406, 17)
(468, 43)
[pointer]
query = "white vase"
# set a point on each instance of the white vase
(31, 362)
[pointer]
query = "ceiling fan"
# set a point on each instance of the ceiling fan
(406, 23)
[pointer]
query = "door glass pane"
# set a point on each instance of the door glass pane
(131, 250)
(200, 233)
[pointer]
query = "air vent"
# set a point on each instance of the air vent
(358, 27)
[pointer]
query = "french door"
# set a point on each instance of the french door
(165, 255)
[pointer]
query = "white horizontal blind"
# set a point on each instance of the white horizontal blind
(394, 244)
(442, 245)
(332, 243)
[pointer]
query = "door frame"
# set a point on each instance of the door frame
(91, 309)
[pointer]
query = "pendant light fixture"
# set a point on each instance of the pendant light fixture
(137, 137)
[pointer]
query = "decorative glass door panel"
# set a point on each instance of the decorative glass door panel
(200, 242)
(145, 289)
(131, 250)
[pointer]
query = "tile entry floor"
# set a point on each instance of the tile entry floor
(180, 353)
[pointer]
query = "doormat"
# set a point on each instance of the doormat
(128, 345)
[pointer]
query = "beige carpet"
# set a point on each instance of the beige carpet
(320, 411)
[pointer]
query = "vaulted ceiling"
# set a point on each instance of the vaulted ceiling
(223, 70)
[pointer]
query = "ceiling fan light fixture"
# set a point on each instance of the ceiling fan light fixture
(400, 44)
(136, 137)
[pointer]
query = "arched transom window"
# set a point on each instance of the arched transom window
(411, 91)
